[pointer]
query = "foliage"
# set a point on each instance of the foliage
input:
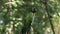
(16, 15)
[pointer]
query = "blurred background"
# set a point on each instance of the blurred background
(16, 17)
